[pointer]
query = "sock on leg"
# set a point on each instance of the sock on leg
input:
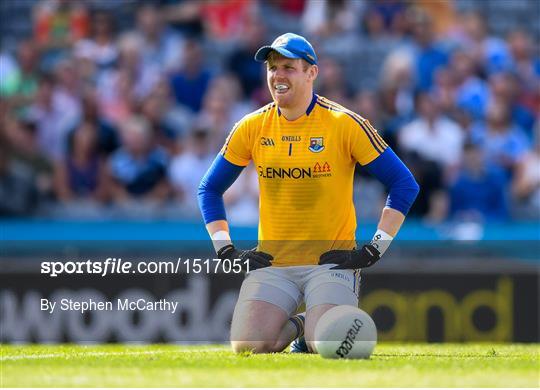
(299, 321)
(299, 344)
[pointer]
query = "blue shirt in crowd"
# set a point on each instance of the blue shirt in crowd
(190, 90)
(139, 176)
(482, 194)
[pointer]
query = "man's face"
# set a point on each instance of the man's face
(427, 106)
(288, 79)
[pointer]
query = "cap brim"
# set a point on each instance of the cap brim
(263, 52)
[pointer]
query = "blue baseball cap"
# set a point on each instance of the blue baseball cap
(291, 46)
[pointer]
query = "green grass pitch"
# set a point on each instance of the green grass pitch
(391, 365)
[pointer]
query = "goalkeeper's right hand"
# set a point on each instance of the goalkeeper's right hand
(255, 259)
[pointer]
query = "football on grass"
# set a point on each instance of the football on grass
(345, 332)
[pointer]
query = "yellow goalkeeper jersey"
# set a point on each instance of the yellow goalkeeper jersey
(306, 171)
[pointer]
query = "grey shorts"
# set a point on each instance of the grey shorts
(289, 287)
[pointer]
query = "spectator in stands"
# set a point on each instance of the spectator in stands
(100, 47)
(502, 142)
(369, 105)
(224, 20)
(384, 17)
(527, 66)
(289, 8)
(472, 93)
(68, 84)
(187, 168)
(397, 81)
(82, 174)
(117, 100)
(190, 83)
(54, 114)
(479, 192)
(18, 195)
(107, 133)
(138, 169)
(373, 24)
(169, 122)
(120, 90)
(176, 116)
(160, 46)
(505, 87)
(20, 139)
(444, 90)
(327, 19)
(87, 69)
(183, 16)
(331, 82)
(442, 14)
(391, 121)
(222, 107)
(153, 109)
(432, 136)
(489, 52)
(526, 184)
(58, 25)
(432, 146)
(429, 55)
(21, 84)
(240, 61)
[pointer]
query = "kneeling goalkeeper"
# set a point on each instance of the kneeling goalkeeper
(305, 148)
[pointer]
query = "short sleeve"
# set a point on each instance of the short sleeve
(237, 148)
(366, 143)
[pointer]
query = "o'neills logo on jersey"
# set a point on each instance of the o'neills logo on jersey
(284, 173)
(291, 138)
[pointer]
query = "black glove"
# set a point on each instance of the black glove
(351, 259)
(256, 259)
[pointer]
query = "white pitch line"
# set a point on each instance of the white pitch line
(84, 354)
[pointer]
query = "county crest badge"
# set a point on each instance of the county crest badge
(316, 144)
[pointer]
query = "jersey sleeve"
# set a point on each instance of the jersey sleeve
(237, 147)
(366, 143)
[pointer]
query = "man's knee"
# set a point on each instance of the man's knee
(256, 327)
(313, 315)
(254, 346)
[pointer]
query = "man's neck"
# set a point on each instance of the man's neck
(293, 113)
(431, 121)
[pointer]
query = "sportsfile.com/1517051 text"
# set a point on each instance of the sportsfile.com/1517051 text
(112, 266)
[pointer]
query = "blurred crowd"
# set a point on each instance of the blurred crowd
(103, 117)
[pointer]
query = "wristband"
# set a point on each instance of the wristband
(221, 239)
(381, 240)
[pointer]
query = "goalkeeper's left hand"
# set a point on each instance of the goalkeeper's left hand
(351, 259)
